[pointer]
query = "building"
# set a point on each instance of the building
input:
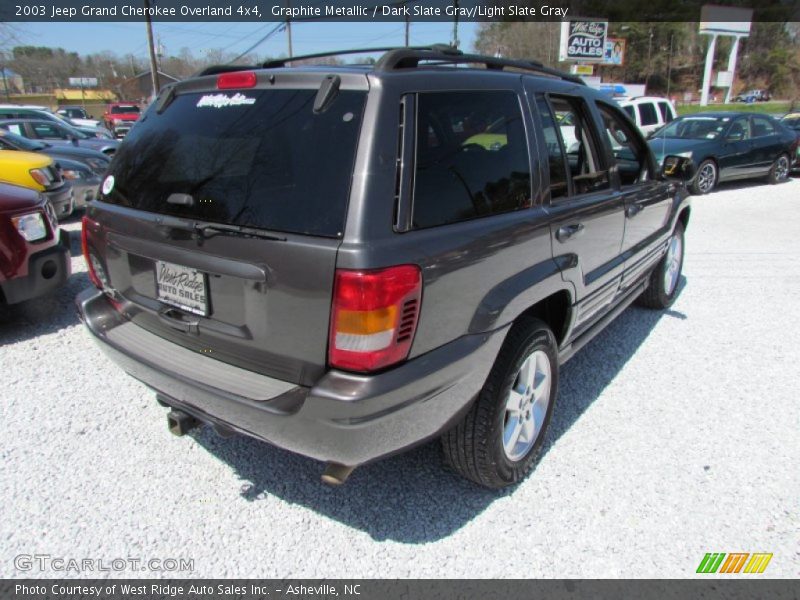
(10, 82)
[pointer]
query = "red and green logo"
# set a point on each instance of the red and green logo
(734, 562)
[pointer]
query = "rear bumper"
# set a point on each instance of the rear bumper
(47, 270)
(345, 418)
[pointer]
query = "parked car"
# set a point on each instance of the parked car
(78, 116)
(727, 146)
(34, 254)
(39, 173)
(58, 134)
(751, 96)
(650, 113)
(120, 117)
(792, 121)
(95, 160)
(13, 111)
(263, 261)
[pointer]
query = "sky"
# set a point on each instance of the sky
(307, 38)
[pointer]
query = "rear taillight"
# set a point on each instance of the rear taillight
(373, 317)
(236, 80)
(91, 259)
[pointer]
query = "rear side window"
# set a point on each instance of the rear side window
(260, 158)
(647, 114)
(666, 112)
(471, 157)
(629, 110)
(762, 126)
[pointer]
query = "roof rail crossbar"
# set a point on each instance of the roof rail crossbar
(409, 58)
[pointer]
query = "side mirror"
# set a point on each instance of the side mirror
(677, 168)
(74, 140)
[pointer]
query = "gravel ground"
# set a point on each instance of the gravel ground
(675, 434)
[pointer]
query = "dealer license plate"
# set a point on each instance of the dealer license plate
(182, 287)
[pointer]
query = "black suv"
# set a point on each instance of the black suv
(348, 261)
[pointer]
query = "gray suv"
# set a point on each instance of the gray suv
(349, 261)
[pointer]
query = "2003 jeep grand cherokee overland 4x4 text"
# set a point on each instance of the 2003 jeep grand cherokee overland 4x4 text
(348, 261)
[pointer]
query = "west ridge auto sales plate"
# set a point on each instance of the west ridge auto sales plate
(182, 287)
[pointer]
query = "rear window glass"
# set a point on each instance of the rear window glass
(647, 114)
(471, 159)
(128, 108)
(259, 158)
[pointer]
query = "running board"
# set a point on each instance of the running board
(572, 348)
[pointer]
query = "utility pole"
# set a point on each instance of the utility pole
(289, 28)
(649, 61)
(153, 63)
(455, 24)
(408, 25)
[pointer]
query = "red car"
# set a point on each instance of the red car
(34, 255)
(120, 117)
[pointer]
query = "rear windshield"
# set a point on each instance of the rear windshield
(120, 110)
(260, 158)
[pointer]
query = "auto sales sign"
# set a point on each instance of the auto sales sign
(583, 41)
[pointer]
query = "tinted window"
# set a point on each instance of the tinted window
(666, 111)
(586, 167)
(647, 114)
(762, 126)
(630, 111)
(43, 130)
(472, 157)
(555, 151)
(626, 145)
(740, 129)
(264, 160)
(128, 108)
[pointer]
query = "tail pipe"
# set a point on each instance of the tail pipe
(336, 474)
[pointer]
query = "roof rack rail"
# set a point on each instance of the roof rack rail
(395, 58)
(281, 62)
(409, 58)
(217, 69)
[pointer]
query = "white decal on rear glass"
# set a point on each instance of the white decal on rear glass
(223, 100)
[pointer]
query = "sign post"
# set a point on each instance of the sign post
(727, 21)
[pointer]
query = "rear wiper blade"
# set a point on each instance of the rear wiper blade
(220, 228)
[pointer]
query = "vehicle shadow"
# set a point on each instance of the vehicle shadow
(47, 314)
(411, 498)
(743, 184)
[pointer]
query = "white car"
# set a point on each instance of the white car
(650, 113)
(78, 115)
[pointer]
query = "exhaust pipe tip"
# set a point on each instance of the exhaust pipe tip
(336, 474)
(180, 423)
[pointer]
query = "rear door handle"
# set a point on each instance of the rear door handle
(569, 231)
(633, 210)
(177, 320)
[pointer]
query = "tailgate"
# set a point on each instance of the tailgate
(221, 218)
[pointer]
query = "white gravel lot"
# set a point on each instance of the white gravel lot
(675, 434)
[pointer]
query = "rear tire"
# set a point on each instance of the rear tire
(498, 442)
(779, 172)
(665, 278)
(706, 178)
